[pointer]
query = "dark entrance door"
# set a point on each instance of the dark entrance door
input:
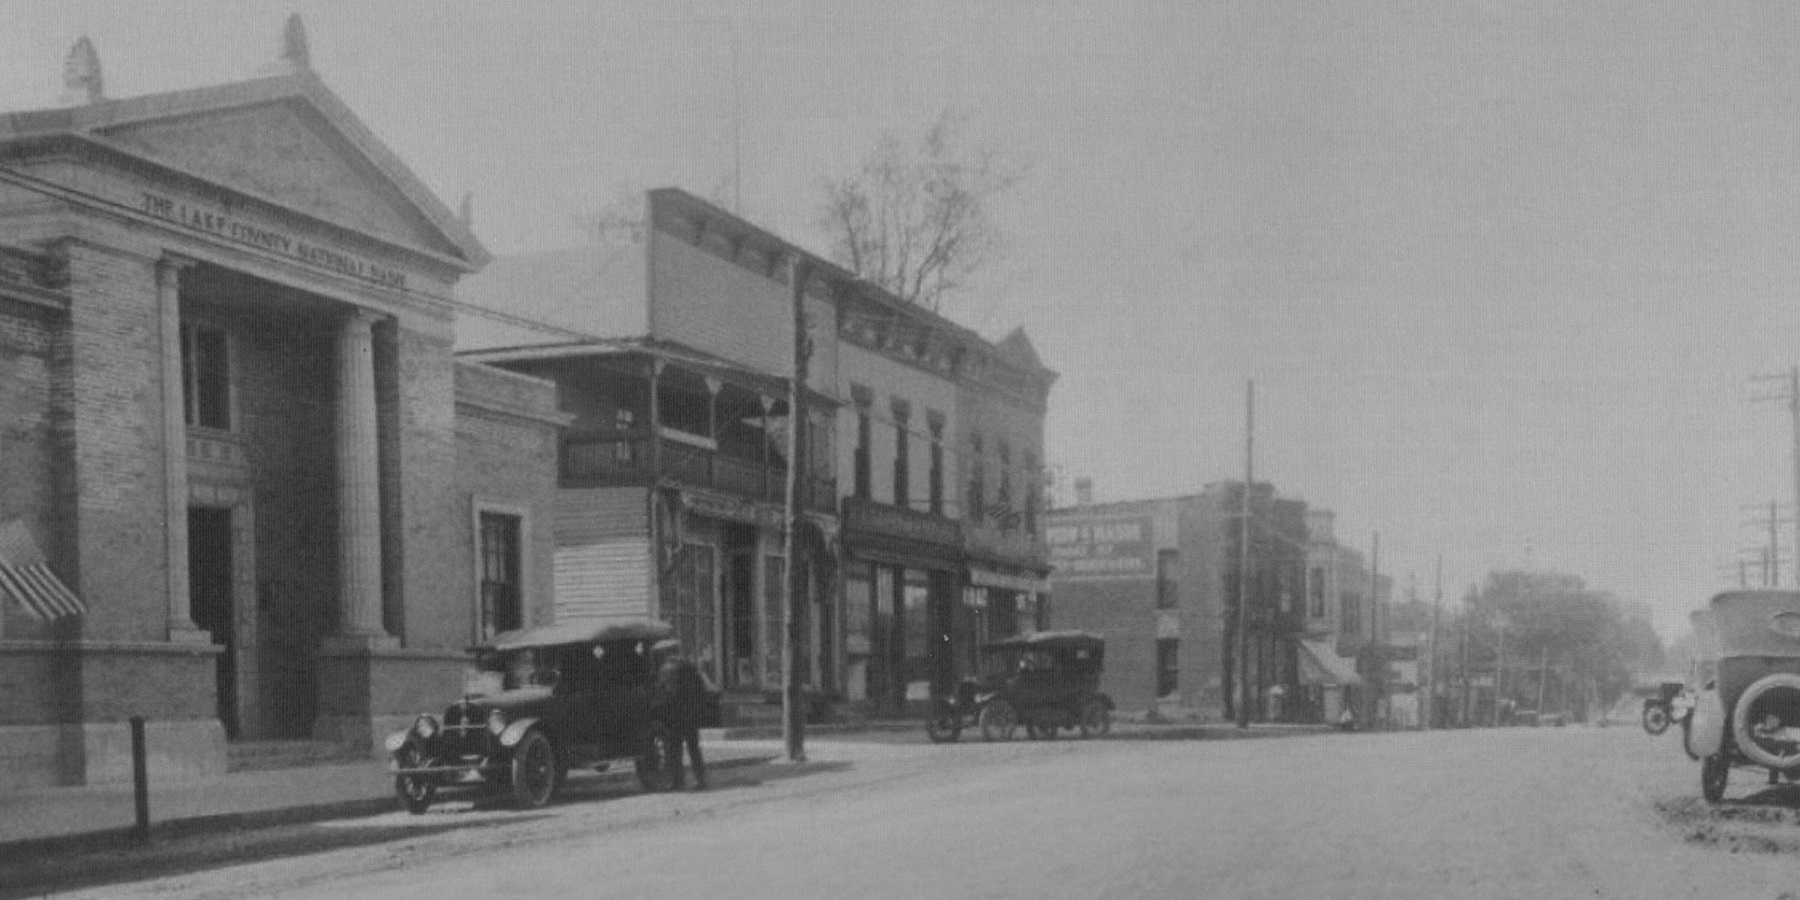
(209, 597)
(740, 617)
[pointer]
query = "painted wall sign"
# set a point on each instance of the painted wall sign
(217, 223)
(1102, 548)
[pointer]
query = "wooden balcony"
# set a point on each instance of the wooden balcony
(621, 458)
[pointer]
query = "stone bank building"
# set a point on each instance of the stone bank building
(231, 423)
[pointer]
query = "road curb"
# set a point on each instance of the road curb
(299, 814)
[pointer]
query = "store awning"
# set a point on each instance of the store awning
(1320, 664)
(28, 580)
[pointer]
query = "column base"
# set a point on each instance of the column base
(188, 634)
(341, 644)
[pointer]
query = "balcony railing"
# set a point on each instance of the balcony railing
(614, 458)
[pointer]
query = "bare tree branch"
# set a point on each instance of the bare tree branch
(915, 218)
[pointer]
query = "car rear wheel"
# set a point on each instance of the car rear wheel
(1656, 719)
(998, 720)
(656, 764)
(1096, 719)
(1715, 772)
(533, 770)
(416, 792)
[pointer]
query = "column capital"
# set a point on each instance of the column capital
(169, 267)
(362, 315)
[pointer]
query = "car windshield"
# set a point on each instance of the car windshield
(514, 669)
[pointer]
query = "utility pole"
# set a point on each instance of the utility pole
(1431, 669)
(1379, 669)
(1768, 553)
(1241, 694)
(1791, 393)
(1499, 671)
(793, 717)
(1464, 717)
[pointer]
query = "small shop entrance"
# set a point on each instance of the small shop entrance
(210, 600)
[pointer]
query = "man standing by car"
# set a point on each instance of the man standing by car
(676, 700)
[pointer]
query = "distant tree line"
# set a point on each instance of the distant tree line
(1535, 640)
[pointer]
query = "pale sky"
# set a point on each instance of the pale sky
(1502, 271)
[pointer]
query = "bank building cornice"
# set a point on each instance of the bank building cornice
(358, 187)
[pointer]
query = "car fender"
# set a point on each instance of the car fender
(397, 740)
(515, 731)
(1705, 734)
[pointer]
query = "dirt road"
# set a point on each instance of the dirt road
(1569, 812)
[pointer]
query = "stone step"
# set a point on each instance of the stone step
(258, 756)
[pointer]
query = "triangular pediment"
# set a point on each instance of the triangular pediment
(287, 152)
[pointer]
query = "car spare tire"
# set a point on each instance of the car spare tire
(1768, 693)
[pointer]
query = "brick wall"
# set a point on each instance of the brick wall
(506, 456)
(117, 415)
(890, 379)
(33, 459)
(432, 510)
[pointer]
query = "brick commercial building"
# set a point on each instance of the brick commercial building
(236, 430)
(1159, 579)
(674, 352)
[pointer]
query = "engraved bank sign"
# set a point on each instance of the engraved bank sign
(1102, 548)
(217, 222)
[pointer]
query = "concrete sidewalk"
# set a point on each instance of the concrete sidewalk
(44, 819)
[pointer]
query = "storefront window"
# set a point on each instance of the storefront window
(688, 603)
(917, 618)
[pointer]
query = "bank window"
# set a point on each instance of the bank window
(1352, 623)
(936, 485)
(1315, 593)
(206, 376)
(500, 576)
(1168, 580)
(1168, 667)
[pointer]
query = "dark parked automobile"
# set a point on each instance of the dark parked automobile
(1748, 714)
(1660, 710)
(537, 703)
(1045, 681)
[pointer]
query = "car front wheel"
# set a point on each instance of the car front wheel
(1656, 719)
(1096, 719)
(533, 770)
(1715, 771)
(415, 791)
(998, 721)
(944, 726)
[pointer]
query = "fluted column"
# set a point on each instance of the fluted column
(181, 625)
(359, 485)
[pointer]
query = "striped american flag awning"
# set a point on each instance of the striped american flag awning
(26, 578)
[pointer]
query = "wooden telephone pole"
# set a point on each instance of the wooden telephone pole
(1791, 394)
(1241, 669)
(793, 716)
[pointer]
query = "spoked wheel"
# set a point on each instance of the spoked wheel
(1715, 771)
(533, 770)
(1096, 719)
(1656, 719)
(998, 721)
(943, 726)
(656, 764)
(415, 791)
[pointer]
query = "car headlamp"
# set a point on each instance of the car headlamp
(426, 727)
(496, 722)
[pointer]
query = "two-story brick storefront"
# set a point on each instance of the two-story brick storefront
(925, 446)
(236, 431)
